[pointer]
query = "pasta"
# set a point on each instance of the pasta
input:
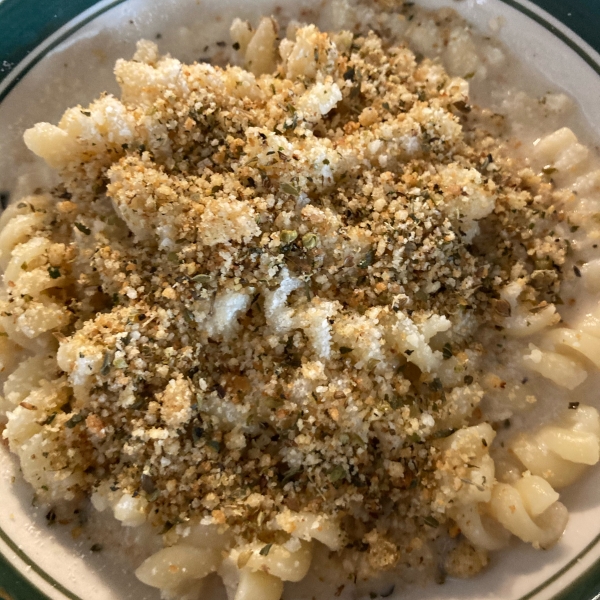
(566, 352)
(256, 585)
(171, 567)
(560, 453)
(280, 312)
(527, 508)
(561, 369)
(530, 511)
(31, 271)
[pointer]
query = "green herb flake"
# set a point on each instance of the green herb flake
(167, 527)
(74, 420)
(345, 350)
(287, 236)
(138, 404)
(289, 475)
(216, 446)
(489, 159)
(202, 279)
(197, 434)
(288, 188)
(436, 385)
(431, 522)
(96, 548)
(264, 551)
(337, 474)
(49, 419)
(463, 107)
(105, 368)
(54, 272)
(309, 241)
(153, 497)
(120, 363)
(443, 433)
(367, 261)
(51, 517)
(372, 363)
(357, 440)
(291, 124)
(85, 230)
(447, 351)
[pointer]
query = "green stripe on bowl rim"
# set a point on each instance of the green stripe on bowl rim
(35, 23)
(15, 587)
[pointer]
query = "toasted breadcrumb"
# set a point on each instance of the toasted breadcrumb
(275, 279)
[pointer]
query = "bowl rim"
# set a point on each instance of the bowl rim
(37, 28)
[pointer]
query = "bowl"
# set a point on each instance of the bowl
(57, 54)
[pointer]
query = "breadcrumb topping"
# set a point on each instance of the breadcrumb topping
(276, 278)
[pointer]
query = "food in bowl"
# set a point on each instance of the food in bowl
(279, 312)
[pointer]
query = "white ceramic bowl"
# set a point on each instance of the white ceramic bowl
(73, 66)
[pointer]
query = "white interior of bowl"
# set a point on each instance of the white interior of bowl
(78, 70)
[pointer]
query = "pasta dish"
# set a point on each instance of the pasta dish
(274, 313)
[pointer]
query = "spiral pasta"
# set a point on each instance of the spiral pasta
(528, 509)
(34, 273)
(31, 441)
(467, 470)
(555, 456)
(520, 321)
(562, 152)
(563, 370)
(561, 452)
(253, 572)
(565, 352)
(26, 218)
